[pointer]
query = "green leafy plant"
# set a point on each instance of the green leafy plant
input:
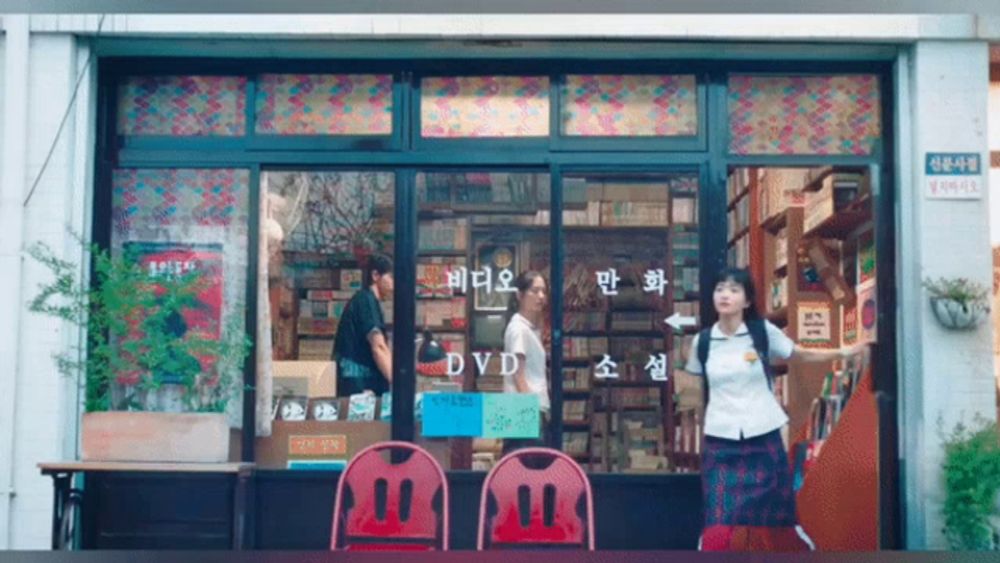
(137, 339)
(971, 470)
(962, 290)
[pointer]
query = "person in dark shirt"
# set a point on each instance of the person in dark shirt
(361, 350)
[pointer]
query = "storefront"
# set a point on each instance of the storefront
(609, 178)
(627, 180)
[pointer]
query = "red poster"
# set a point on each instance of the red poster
(205, 319)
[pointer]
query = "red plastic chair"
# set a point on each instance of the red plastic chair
(375, 521)
(517, 489)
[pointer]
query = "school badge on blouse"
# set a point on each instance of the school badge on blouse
(751, 356)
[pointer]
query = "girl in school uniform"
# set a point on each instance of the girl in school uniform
(746, 478)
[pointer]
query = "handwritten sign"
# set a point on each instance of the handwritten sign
(327, 445)
(953, 176)
(849, 324)
(814, 323)
(452, 414)
(510, 415)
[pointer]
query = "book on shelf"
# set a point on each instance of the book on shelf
(442, 313)
(739, 217)
(315, 278)
(684, 210)
(579, 347)
(615, 192)
(590, 216)
(443, 235)
(737, 183)
(321, 309)
(781, 248)
(633, 321)
(350, 279)
(574, 321)
(634, 214)
(738, 254)
(575, 443)
(315, 349)
(489, 383)
(576, 379)
(432, 276)
(317, 327)
(780, 189)
(575, 410)
(329, 295)
(686, 281)
(685, 255)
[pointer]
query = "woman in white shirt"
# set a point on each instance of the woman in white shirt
(746, 478)
(523, 339)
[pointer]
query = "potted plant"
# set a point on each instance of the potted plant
(971, 472)
(157, 384)
(958, 304)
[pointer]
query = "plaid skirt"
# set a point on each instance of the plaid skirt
(747, 482)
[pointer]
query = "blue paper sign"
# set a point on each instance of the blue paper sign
(452, 414)
(511, 415)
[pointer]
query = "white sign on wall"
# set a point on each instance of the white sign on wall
(951, 175)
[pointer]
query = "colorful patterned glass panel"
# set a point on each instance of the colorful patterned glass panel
(182, 105)
(324, 104)
(150, 200)
(630, 105)
(485, 106)
(804, 114)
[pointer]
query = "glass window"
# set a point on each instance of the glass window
(182, 105)
(484, 106)
(633, 105)
(325, 315)
(631, 267)
(324, 104)
(804, 114)
(176, 221)
(482, 235)
(806, 234)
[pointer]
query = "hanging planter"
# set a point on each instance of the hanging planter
(958, 304)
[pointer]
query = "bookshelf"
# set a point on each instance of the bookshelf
(815, 275)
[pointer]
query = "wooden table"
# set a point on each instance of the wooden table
(67, 499)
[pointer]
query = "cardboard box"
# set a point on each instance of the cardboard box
(819, 206)
(311, 379)
(316, 441)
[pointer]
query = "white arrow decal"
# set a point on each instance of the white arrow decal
(678, 322)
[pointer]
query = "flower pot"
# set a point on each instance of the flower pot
(956, 315)
(164, 437)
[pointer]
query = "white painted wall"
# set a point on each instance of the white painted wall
(44, 417)
(2, 74)
(994, 135)
(766, 27)
(944, 375)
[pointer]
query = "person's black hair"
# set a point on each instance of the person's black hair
(743, 278)
(377, 262)
(522, 283)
